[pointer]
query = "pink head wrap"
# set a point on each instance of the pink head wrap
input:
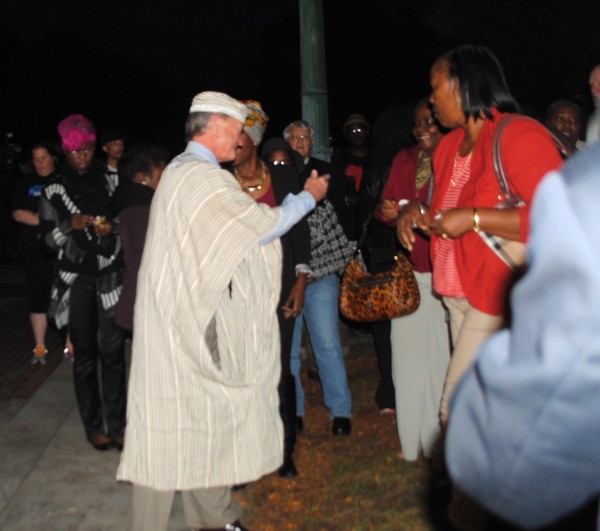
(75, 131)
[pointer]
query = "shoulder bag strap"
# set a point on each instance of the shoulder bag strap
(363, 234)
(564, 149)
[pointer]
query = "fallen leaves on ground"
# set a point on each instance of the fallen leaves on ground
(357, 482)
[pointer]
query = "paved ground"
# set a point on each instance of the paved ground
(18, 380)
(50, 477)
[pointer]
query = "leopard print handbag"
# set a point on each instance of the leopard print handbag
(367, 298)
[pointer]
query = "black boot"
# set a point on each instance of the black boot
(287, 410)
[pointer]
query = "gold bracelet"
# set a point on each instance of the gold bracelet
(476, 227)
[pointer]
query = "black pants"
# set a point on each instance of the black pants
(95, 336)
(380, 260)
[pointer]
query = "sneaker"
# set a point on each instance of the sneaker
(69, 351)
(40, 353)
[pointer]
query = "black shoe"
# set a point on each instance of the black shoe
(312, 375)
(234, 526)
(118, 441)
(299, 423)
(100, 441)
(341, 426)
(288, 469)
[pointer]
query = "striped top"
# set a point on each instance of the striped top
(203, 404)
(446, 281)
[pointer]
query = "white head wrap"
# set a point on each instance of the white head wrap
(256, 121)
(217, 102)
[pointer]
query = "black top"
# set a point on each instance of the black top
(336, 192)
(26, 196)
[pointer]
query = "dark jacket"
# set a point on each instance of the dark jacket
(132, 204)
(80, 251)
(296, 243)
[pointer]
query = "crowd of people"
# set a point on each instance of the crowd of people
(217, 263)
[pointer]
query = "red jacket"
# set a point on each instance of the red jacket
(528, 153)
(401, 185)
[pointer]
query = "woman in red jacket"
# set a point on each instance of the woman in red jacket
(470, 96)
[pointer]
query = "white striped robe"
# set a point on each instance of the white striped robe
(203, 404)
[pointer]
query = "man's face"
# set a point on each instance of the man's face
(300, 140)
(114, 149)
(595, 84)
(356, 134)
(81, 159)
(227, 138)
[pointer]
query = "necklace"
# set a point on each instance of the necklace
(252, 187)
(460, 169)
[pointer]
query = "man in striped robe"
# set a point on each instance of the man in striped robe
(203, 404)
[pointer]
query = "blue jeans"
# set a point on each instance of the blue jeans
(321, 317)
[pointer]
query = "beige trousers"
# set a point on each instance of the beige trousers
(420, 356)
(213, 507)
(469, 328)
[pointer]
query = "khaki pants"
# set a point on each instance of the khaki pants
(212, 507)
(469, 328)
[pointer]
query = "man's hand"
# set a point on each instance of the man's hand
(316, 185)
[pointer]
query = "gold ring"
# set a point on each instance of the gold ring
(444, 235)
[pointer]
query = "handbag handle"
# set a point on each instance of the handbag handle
(363, 235)
(562, 147)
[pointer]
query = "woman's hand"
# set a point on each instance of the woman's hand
(388, 209)
(414, 215)
(80, 221)
(295, 302)
(452, 223)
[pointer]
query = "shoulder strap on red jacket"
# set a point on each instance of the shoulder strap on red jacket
(564, 149)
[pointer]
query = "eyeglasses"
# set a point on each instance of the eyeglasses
(301, 137)
(84, 150)
(356, 130)
(280, 163)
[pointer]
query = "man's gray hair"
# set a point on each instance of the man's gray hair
(299, 124)
(197, 121)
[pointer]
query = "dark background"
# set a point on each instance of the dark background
(136, 65)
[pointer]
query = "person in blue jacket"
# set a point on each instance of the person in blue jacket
(524, 432)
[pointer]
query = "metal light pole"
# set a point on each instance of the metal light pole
(314, 78)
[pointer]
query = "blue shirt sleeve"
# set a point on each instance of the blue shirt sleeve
(293, 209)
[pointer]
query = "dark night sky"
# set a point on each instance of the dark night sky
(136, 65)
